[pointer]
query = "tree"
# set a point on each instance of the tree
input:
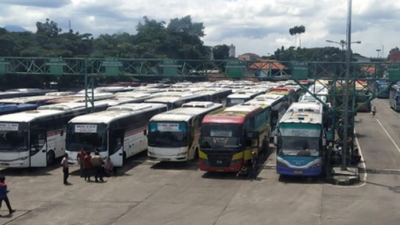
(221, 51)
(297, 31)
(49, 28)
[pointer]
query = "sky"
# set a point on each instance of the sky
(256, 26)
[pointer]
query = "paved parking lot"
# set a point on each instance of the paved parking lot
(152, 193)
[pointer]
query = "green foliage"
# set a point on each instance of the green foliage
(309, 54)
(179, 39)
(221, 52)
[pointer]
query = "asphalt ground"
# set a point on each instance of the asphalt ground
(147, 192)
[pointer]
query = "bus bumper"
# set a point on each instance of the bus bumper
(234, 167)
(15, 164)
(299, 172)
(182, 158)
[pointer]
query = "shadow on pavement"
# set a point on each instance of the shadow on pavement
(301, 180)
(361, 136)
(191, 165)
(395, 189)
(32, 171)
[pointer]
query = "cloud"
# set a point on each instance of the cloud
(38, 3)
(252, 25)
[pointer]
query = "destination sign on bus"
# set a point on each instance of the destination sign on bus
(9, 126)
(85, 128)
(221, 133)
(168, 126)
(300, 132)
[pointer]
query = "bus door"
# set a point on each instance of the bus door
(252, 140)
(116, 147)
(38, 148)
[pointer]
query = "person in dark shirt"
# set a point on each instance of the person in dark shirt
(3, 194)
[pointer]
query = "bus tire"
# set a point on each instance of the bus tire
(50, 157)
(123, 158)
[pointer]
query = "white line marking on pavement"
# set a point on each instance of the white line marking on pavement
(390, 137)
(363, 165)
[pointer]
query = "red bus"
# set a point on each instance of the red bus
(228, 137)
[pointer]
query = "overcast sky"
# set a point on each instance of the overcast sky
(257, 26)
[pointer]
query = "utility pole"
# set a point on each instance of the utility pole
(346, 94)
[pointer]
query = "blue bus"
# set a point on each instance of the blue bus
(380, 85)
(13, 108)
(394, 97)
(301, 140)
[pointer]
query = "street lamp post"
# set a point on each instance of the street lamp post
(378, 50)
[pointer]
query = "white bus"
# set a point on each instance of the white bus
(119, 132)
(174, 135)
(35, 138)
(242, 97)
(176, 100)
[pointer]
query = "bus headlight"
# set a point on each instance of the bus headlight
(281, 164)
(23, 158)
(316, 165)
(182, 153)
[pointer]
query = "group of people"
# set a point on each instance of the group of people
(89, 165)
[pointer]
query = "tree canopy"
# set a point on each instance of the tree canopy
(180, 38)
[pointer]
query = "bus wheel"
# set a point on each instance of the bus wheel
(124, 158)
(50, 158)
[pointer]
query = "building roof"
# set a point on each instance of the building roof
(268, 64)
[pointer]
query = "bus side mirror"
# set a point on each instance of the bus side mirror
(324, 142)
(145, 132)
(276, 140)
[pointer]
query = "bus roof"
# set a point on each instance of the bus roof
(116, 112)
(280, 89)
(30, 99)
(243, 95)
(303, 112)
(187, 111)
(43, 111)
(234, 114)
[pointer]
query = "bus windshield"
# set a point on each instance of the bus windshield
(87, 136)
(300, 146)
(235, 101)
(168, 134)
(221, 136)
(13, 136)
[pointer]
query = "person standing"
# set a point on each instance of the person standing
(109, 167)
(65, 167)
(87, 166)
(81, 155)
(254, 165)
(3, 195)
(97, 164)
(373, 111)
